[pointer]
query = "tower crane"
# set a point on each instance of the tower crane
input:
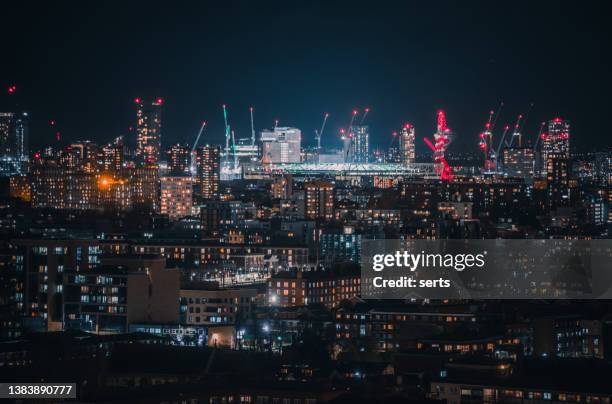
(252, 128)
(541, 135)
(195, 144)
(516, 131)
(363, 117)
(319, 134)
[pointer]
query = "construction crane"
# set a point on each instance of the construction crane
(319, 134)
(229, 133)
(227, 130)
(252, 128)
(516, 132)
(486, 138)
(363, 117)
(195, 145)
(501, 141)
(541, 135)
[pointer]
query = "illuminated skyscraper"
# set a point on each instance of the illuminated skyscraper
(556, 141)
(406, 141)
(13, 143)
(179, 159)
(360, 144)
(148, 131)
(208, 171)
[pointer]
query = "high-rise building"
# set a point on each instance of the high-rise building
(319, 196)
(281, 145)
(13, 143)
(176, 196)
(406, 141)
(556, 141)
(148, 130)
(208, 171)
(179, 159)
(518, 162)
(360, 144)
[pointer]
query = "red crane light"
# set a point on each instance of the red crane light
(137, 100)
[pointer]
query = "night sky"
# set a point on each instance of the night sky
(82, 65)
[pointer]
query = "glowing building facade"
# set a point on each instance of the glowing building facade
(148, 130)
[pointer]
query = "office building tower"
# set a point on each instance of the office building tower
(176, 196)
(13, 143)
(281, 145)
(148, 130)
(208, 171)
(319, 197)
(556, 141)
(406, 142)
(518, 162)
(360, 143)
(179, 159)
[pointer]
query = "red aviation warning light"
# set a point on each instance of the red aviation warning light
(159, 101)
(12, 89)
(137, 100)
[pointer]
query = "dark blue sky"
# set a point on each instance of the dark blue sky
(82, 65)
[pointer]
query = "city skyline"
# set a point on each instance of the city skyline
(417, 68)
(306, 202)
